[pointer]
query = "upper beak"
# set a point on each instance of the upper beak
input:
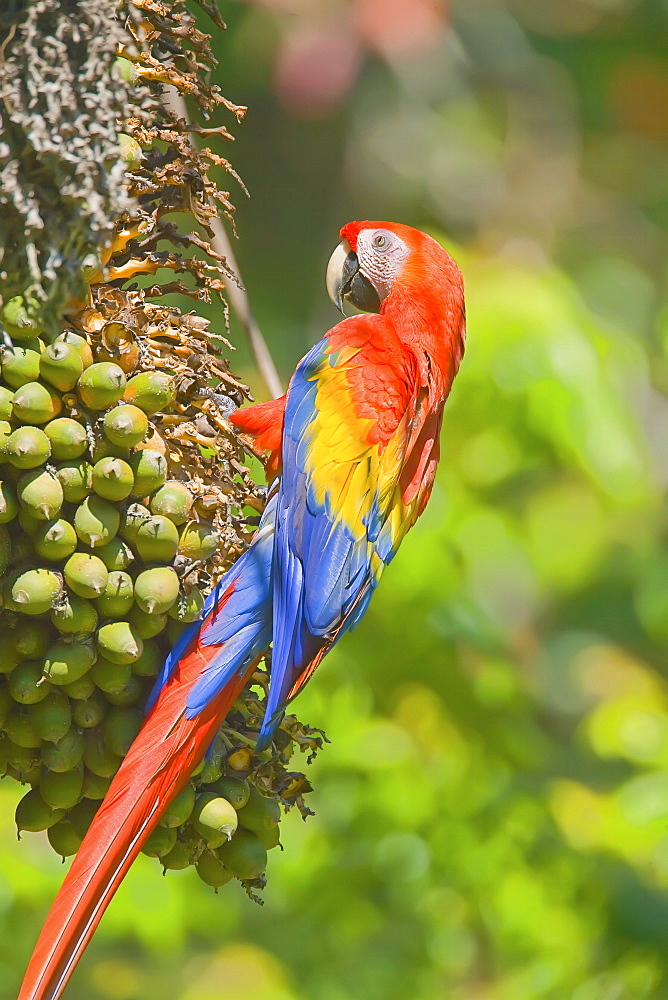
(346, 281)
(343, 265)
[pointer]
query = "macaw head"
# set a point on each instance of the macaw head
(376, 260)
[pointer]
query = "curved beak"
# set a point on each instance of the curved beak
(346, 281)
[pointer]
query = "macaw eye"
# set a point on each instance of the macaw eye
(379, 241)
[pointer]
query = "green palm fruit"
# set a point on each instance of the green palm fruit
(61, 365)
(9, 660)
(179, 810)
(66, 753)
(130, 150)
(20, 728)
(157, 539)
(150, 661)
(135, 516)
(117, 597)
(81, 816)
(36, 403)
(74, 616)
(6, 400)
(101, 385)
(147, 626)
(181, 856)
(270, 838)
(31, 639)
(116, 554)
(89, 712)
(25, 761)
(102, 448)
(79, 690)
(188, 607)
(126, 69)
(96, 521)
(4, 756)
(150, 391)
(40, 494)
(67, 437)
(20, 363)
(149, 468)
(55, 540)
(110, 677)
(131, 694)
(197, 769)
(5, 434)
(214, 762)
(85, 574)
(29, 523)
(67, 661)
(18, 316)
(5, 703)
(212, 871)
(160, 842)
(112, 478)
(214, 818)
(26, 683)
(62, 789)
(244, 855)
(174, 630)
(260, 812)
(81, 345)
(118, 642)
(76, 479)
(235, 790)
(198, 541)
(63, 838)
(9, 505)
(27, 447)
(52, 717)
(33, 813)
(98, 758)
(35, 591)
(156, 589)
(5, 549)
(95, 787)
(173, 500)
(125, 425)
(120, 728)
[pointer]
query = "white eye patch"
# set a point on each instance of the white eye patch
(382, 256)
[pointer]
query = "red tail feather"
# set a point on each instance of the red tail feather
(155, 770)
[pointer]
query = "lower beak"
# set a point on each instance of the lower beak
(346, 281)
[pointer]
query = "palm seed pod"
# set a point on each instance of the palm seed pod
(68, 438)
(27, 447)
(86, 575)
(36, 403)
(101, 385)
(125, 426)
(40, 494)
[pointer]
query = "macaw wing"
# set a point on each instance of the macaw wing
(340, 513)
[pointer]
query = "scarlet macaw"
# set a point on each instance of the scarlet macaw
(352, 448)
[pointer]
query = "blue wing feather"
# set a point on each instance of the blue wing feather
(322, 573)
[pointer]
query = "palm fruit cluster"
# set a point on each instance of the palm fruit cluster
(123, 493)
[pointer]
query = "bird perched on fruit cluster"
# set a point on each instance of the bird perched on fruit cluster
(351, 451)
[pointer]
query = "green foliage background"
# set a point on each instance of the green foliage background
(492, 813)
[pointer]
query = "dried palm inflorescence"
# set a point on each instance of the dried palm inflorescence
(123, 489)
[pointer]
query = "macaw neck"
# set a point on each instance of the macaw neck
(429, 323)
